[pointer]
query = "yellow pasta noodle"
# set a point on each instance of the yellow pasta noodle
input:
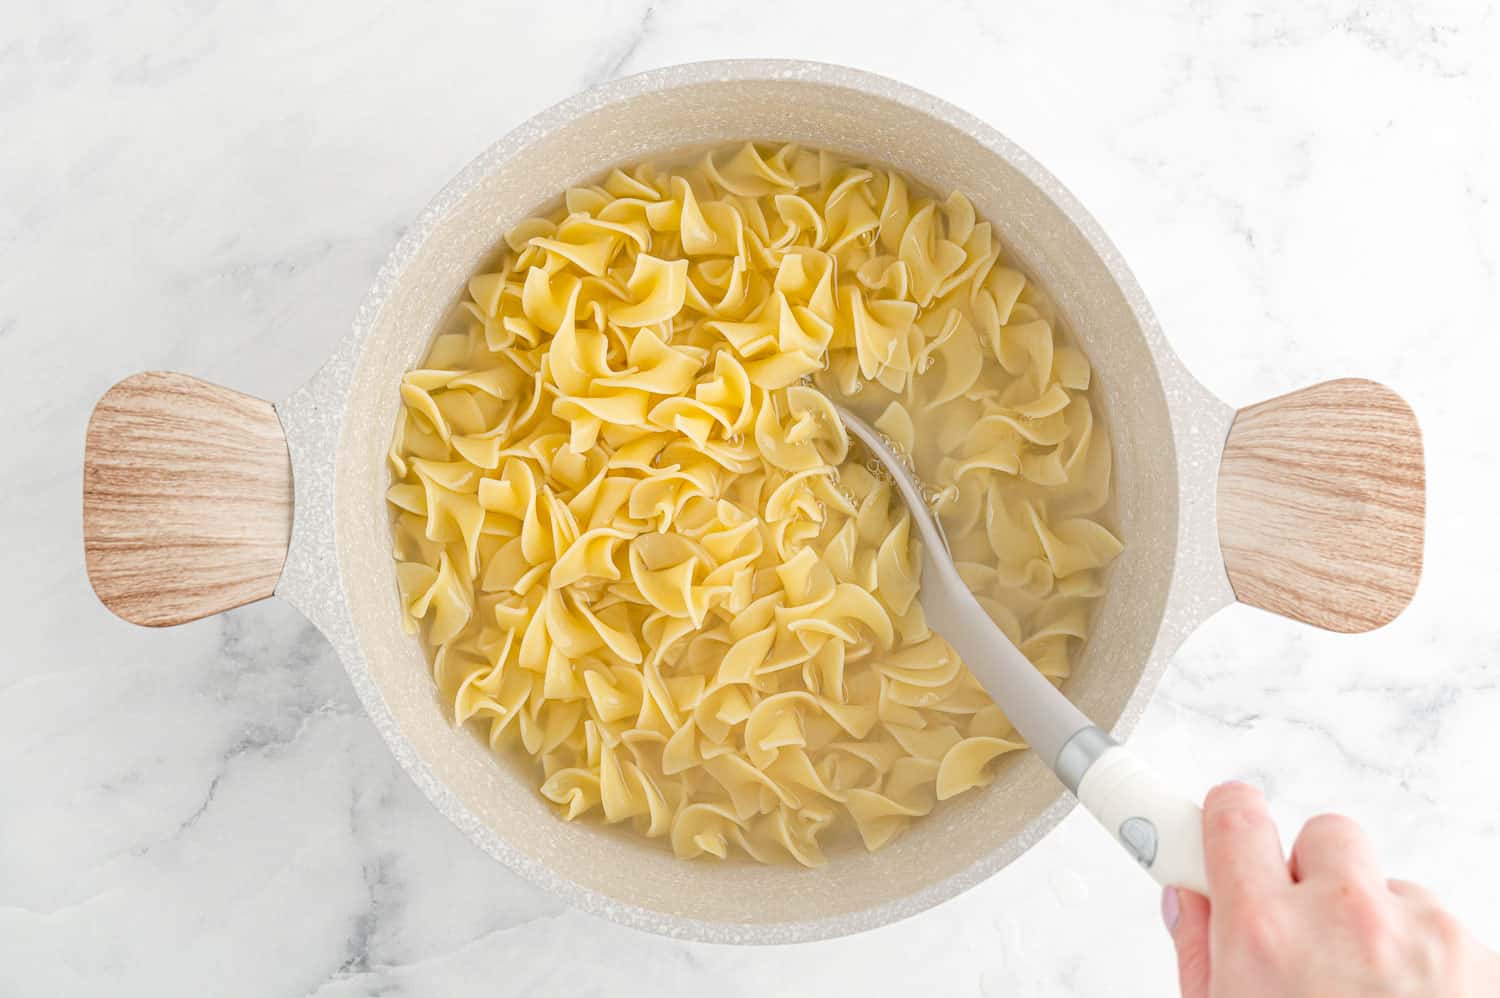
(640, 547)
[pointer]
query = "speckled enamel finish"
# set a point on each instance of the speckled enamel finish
(1168, 433)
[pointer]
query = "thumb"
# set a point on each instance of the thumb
(1186, 915)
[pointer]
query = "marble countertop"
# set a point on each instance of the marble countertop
(1305, 190)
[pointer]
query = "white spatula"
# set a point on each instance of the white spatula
(1161, 828)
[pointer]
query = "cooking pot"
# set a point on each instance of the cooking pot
(198, 499)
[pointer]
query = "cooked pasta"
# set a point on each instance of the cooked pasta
(639, 545)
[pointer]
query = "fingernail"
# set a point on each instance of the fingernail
(1171, 907)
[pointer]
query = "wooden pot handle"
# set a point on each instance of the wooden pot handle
(1321, 505)
(187, 499)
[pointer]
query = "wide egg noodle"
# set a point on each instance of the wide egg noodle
(639, 547)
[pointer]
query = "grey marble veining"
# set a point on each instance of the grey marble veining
(1304, 191)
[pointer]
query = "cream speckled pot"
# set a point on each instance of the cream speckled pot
(1168, 432)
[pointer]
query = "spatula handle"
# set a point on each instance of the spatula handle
(1160, 827)
(187, 499)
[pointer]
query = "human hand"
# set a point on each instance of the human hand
(1327, 924)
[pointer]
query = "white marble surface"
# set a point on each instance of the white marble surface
(1305, 190)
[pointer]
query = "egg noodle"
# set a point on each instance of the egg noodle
(638, 544)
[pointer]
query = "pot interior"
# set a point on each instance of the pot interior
(657, 116)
